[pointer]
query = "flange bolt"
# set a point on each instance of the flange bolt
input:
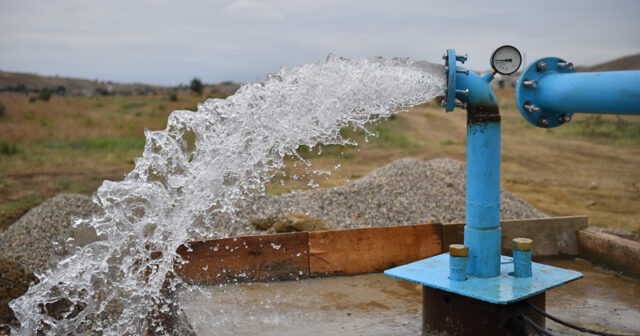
(544, 122)
(464, 92)
(542, 66)
(531, 108)
(564, 118)
(462, 58)
(566, 65)
(461, 105)
(531, 84)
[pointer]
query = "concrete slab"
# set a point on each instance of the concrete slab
(378, 305)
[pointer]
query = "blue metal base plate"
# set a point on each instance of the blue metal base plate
(503, 289)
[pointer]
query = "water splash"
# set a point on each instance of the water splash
(204, 163)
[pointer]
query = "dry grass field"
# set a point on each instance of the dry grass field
(591, 166)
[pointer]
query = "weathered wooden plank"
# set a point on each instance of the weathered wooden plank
(452, 234)
(357, 251)
(553, 236)
(243, 259)
(612, 251)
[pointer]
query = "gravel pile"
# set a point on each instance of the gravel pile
(29, 240)
(407, 191)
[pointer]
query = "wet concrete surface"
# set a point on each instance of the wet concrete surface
(602, 300)
(378, 305)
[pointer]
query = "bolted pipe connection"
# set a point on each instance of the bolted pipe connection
(522, 257)
(458, 257)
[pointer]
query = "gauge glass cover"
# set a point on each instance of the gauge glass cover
(506, 60)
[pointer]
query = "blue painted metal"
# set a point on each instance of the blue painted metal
(560, 92)
(521, 263)
(458, 268)
(482, 232)
(450, 69)
(503, 289)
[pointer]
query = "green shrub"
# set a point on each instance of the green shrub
(3, 111)
(8, 148)
(44, 95)
(173, 96)
(196, 86)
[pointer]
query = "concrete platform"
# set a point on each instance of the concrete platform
(378, 305)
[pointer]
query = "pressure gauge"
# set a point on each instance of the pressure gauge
(506, 60)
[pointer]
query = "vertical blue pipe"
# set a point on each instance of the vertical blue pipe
(482, 232)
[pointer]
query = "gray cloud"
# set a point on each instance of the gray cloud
(170, 42)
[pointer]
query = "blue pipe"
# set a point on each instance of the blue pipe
(615, 92)
(549, 92)
(482, 231)
(521, 263)
(458, 268)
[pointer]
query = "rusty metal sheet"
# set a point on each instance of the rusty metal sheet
(453, 314)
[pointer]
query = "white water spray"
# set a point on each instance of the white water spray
(203, 163)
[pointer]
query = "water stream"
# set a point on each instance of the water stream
(203, 163)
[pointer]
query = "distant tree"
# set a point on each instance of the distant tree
(60, 90)
(100, 91)
(44, 94)
(173, 96)
(196, 86)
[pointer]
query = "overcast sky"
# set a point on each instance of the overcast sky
(172, 41)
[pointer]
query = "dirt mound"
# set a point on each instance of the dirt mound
(13, 283)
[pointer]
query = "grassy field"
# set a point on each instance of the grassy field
(591, 166)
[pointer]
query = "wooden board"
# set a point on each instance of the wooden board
(245, 259)
(358, 251)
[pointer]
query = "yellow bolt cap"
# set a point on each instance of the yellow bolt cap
(458, 250)
(522, 244)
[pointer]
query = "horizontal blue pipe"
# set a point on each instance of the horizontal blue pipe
(616, 92)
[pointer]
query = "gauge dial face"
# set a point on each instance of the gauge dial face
(506, 60)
